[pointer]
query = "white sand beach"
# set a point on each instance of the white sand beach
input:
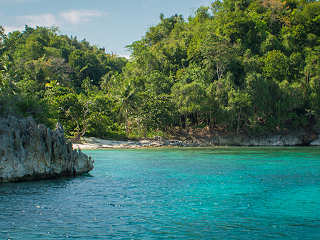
(92, 143)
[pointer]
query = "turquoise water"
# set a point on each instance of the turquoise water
(224, 193)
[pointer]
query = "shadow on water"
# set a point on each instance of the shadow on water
(41, 186)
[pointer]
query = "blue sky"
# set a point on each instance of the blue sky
(112, 24)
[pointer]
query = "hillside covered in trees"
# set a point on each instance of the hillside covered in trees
(55, 78)
(237, 66)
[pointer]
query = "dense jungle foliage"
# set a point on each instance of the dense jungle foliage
(238, 66)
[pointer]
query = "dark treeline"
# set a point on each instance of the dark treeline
(238, 66)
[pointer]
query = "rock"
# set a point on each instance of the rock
(273, 140)
(158, 138)
(316, 141)
(293, 139)
(59, 129)
(30, 152)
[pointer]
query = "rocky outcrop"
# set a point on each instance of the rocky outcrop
(294, 139)
(29, 152)
(316, 141)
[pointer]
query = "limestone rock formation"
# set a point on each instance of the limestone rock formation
(316, 142)
(29, 152)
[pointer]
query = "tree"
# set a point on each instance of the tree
(218, 55)
(276, 65)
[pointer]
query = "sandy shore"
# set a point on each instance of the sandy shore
(276, 140)
(96, 143)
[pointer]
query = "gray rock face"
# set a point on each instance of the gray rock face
(272, 140)
(29, 152)
(316, 142)
(294, 139)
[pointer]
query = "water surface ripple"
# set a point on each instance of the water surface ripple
(223, 193)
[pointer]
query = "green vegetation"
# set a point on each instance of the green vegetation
(238, 66)
(56, 78)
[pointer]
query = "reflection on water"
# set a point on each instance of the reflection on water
(223, 193)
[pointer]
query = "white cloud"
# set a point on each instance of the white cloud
(8, 29)
(46, 20)
(127, 56)
(49, 19)
(79, 16)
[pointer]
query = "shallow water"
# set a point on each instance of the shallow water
(223, 193)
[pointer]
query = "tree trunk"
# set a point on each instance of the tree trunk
(238, 122)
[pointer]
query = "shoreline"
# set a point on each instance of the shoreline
(97, 143)
(93, 143)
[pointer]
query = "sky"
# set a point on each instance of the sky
(112, 24)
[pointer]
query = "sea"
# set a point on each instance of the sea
(173, 193)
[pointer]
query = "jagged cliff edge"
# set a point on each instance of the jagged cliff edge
(29, 151)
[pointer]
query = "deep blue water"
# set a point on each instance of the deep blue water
(223, 193)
